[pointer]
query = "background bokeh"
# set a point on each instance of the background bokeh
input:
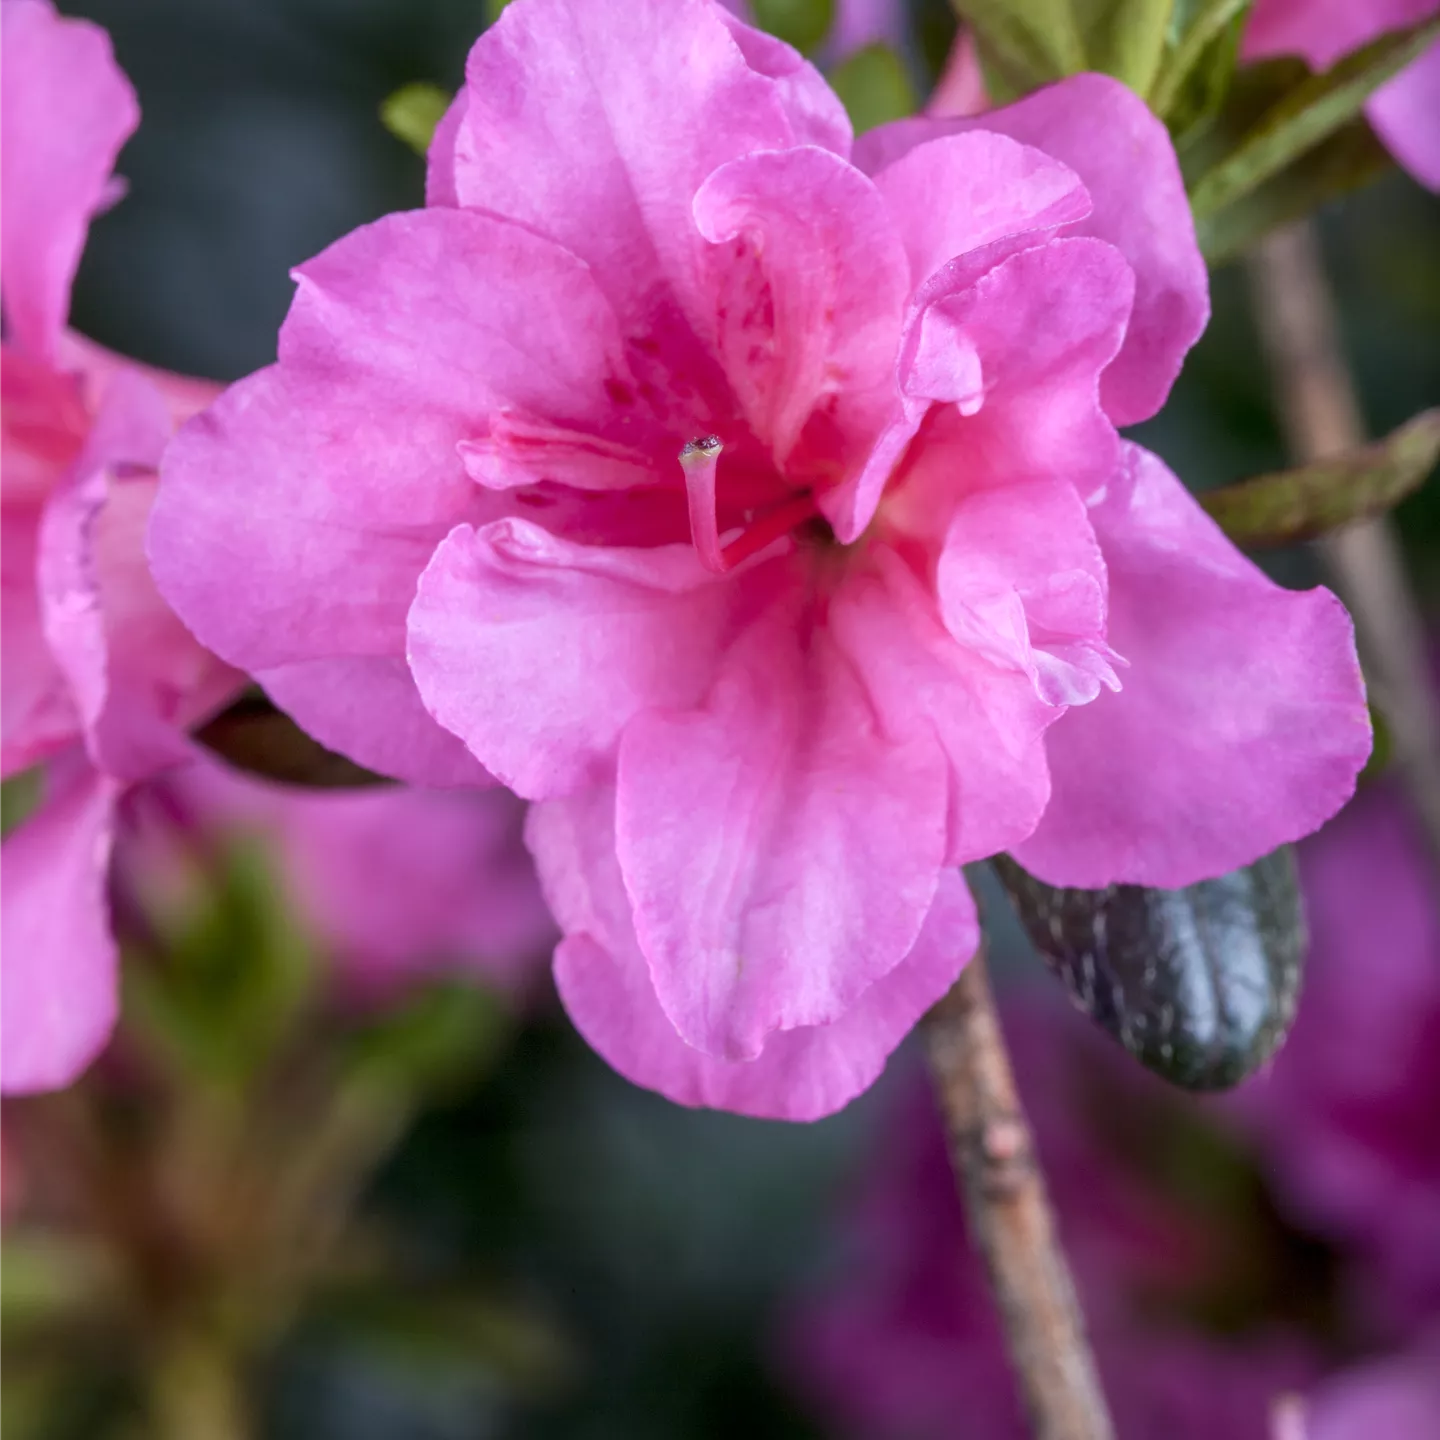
(634, 1263)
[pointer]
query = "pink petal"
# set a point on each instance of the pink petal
(366, 707)
(595, 124)
(779, 843)
(953, 194)
(818, 381)
(803, 1073)
(1108, 136)
(1321, 31)
(67, 110)
(1242, 723)
(814, 110)
(1042, 326)
(138, 677)
(440, 158)
(537, 651)
(1397, 1397)
(318, 490)
(59, 956)
(1021, 581)
(393, 882)
(1406, 116)
(988, 719)
(37, 712)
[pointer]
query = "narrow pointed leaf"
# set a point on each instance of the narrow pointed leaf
(1199, 984)
(1024, 43)
(254, 736)
(1198, 60)
(1299, 504)
(1306, 115)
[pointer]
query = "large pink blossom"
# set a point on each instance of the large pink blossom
(1406, 111)
(100, 677)
(751, 498)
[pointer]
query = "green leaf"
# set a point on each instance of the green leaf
(412, 113)
(874, 88)
(801, 23)
(230, 972)
(1303, 116)
(1198, 984)
(1199, 58)
(1024, 43)
(1348, 159)
(1310, 500)
(1124, 38)
(432, 1041)
(20, 797)
(254, 736)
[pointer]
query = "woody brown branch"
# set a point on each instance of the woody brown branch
(1321, 418)
(1009, 1216)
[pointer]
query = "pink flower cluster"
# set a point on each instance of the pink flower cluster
(1159, 1210)
(101, 679)
(751, 499)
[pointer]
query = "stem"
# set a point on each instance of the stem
(1321, 418)
(198, 1393)
(1003, 1185)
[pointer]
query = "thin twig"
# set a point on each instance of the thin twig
(1321, 418)
(1000, 1177)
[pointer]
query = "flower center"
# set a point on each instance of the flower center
(699, 459)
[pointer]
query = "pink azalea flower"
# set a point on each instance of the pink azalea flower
(1348, 1113)
(1406, 111)
(752, 499)
(100, 677)
(393, 883)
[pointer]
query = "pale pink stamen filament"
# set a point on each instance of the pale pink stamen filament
(698, 460)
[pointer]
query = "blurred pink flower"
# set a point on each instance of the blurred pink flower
(1406, 111)
(1397, 1398)
(903, 1340)
(752, 499)
(393, 883)
(1348, 1113)
(100, 677)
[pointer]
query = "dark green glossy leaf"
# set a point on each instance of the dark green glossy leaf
(412, 112)
(1300, 117)
(874, 88)
(254, 736)
(1310, 500)
(1198, 984)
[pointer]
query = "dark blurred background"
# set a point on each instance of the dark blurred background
(639, 1253)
